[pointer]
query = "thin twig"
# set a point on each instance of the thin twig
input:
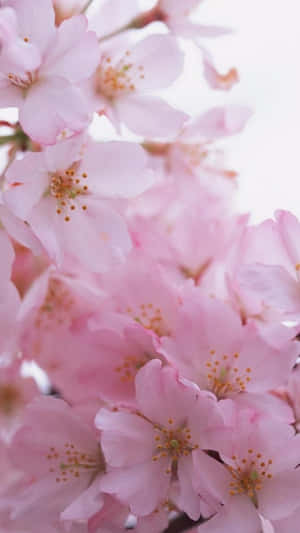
(86, 6)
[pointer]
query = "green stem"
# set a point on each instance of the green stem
(5, 139)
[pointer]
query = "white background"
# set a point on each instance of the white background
(265, 48)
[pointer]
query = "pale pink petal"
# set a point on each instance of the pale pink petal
(36, 21)
(61, 106)
(239, 511)
(210, 478)
(7, 252)
(63, 154)
(290, 524)
(150, 116)
(190, 30)
(10, 96)
(215, 79)
(289, 232)
(217, 122)
(189, 499)
(98, 237)
(127, 439)
(123, 172)
(156, 73)
(279, 496)
(142, 486)
(273, 284)
(86, 505)
(172, 7)
(75, 54)
(20, 230)
(27, 180)
(113, 14)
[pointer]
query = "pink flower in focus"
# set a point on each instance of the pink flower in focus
(154, 446)
(127, 73)
(258, 476)
(41, 67)
(64, 193)
(212, 347)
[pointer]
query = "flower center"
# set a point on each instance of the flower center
(69, 462)
(22, 82)
(66, 187)
(149, 317)
(131, 365)
(112, 81)
(57, 306)
(224, 375)
(172, 443)
(249, 474)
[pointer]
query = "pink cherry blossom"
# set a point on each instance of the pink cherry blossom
(258, 476)
(124, 78)
(141, 294)
(41, 67)
(63, 195)
(63, 463)
(154, 445)
(212, 347)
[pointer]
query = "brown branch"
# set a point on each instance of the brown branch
(182, 523)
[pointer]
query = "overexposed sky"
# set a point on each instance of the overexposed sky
(265, 48)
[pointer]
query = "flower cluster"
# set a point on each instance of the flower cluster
(165, 324)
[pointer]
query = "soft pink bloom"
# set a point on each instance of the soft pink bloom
(155, 444)
(271, 272)
(212, 347)
(64, 193)
(125, 75)
(140, 291)
(41, 67)
(62, 460)
(258, 475)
